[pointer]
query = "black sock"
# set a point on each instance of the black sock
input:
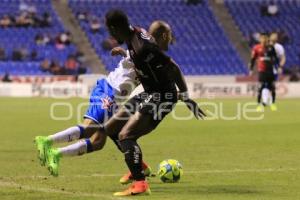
(260, 93)
(273, 96)
(273, 91)
(133, 158)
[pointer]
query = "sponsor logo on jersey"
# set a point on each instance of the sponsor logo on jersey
(149, 57)
(145, 35)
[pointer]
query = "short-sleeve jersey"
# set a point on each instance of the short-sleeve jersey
(266, 57)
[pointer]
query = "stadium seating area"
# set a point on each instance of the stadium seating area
(20, 37)
(247, 15)
(201, 46)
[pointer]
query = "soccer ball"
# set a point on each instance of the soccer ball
(170, 171)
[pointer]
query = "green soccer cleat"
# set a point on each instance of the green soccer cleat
(273, 107)
(259, 108)
(53, 158)
(43, 144)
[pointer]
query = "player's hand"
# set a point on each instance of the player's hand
(280, 70)
(118, 51)
(193, 106)
(250, 72)
(250, 69)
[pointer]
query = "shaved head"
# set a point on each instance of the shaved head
(158, 27)
(274, 37)
(162, 33)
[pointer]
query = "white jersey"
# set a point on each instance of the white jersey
(279, 50)
(123, 79)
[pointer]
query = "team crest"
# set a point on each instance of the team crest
(107, 103)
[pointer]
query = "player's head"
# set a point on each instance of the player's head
(264, 39)
(274, 37)
(118, 25)
(162, 33)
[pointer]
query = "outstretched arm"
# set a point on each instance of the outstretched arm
(179, 78)
(183, 91)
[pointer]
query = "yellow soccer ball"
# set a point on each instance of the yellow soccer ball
(170, 171)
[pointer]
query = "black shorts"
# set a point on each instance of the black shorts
(158, 105)
(266, 77)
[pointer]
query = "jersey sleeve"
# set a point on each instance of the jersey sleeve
(150, 45)
(254, 51)
(279, 50)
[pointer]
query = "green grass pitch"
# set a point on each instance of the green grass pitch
(222, 160)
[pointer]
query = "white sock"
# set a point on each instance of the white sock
(265, 96)
(75, 149)
(68, 135)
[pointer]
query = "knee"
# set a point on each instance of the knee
(123, 136)
(98, 146)
(98, 143)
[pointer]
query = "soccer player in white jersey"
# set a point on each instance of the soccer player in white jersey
(116, 87)
(277, 70)
(280, 52)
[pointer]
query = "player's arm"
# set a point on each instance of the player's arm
(252, 61)
(183, 91)
(282, 59)
(179, 78)
(118, 51)
(282, 63)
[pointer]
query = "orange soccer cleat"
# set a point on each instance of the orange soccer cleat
(136, 188)
(127, 178)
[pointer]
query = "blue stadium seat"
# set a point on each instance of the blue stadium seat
(248, 18)
(193, 26)
(13, 37)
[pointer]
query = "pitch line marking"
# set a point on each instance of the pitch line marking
(240, 171)
(12, 184)
(185, 172)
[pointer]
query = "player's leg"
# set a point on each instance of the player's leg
(139, 124)
(95, 115)
(88, 145)
(92, 118)
(259, 96)
(114, 126)
(91, 140)
(128, 178)
(151, 110)
(265, 96)
(101, 102)
(272, 88)
(94, 139)
(44, 143)
(53, 155)
(95, 143)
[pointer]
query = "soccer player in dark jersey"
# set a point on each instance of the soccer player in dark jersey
(162, 34)
(159, 76)
(264, 55)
